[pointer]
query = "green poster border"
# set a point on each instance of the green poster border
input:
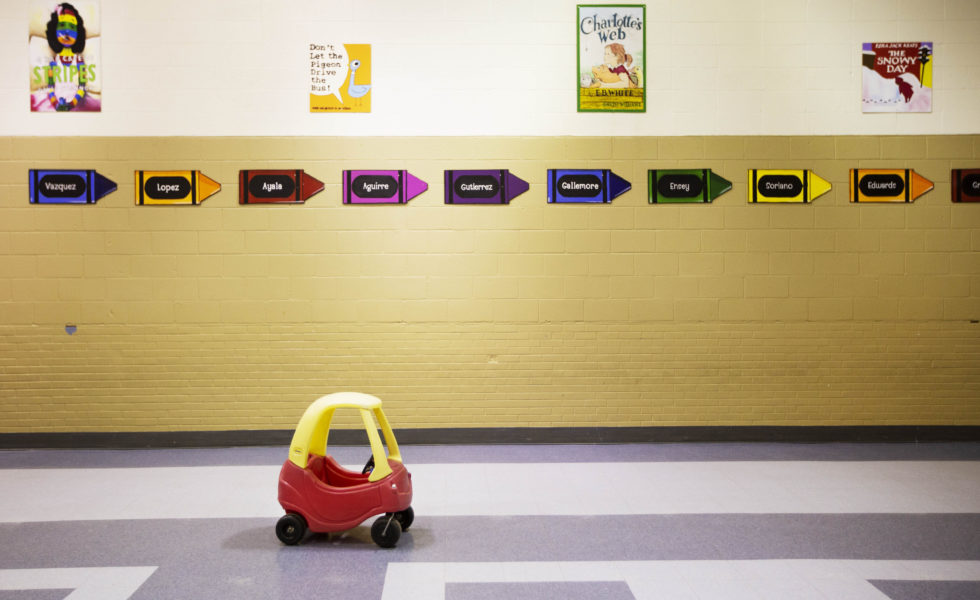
(578, 57)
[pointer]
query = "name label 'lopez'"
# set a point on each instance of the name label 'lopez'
(167, 188)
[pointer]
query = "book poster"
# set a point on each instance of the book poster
(611, 57)
(65, 47)
(340, 78)
(897, 77)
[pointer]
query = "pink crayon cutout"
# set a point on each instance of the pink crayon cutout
(381, 187)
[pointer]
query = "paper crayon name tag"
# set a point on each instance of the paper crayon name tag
(174, 187)
(887, 185)
(685, 185)
(570, 186)
(483, 187)
(57, 186)
(785, 185)
(276, 186)
(381, 187)
(965, 185)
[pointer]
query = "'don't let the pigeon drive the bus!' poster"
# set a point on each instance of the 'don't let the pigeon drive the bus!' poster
(897, 77)
(340, 77)
(611, 57)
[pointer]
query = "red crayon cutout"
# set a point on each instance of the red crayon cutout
(966, 185)
(276, 186)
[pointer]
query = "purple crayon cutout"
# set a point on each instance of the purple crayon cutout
(381, 187)
(486, 186)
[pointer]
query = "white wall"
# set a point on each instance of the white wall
(501, 67)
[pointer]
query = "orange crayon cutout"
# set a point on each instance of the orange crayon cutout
(887, 185)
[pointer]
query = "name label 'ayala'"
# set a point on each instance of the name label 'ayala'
(272, 186)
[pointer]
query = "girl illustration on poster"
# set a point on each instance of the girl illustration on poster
(64, 51)
(611, 49)
(615, 70)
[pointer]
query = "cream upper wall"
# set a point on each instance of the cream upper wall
(506, 67)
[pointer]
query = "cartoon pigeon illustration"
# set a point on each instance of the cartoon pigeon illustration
(356, 91)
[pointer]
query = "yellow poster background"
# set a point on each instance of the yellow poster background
(354, 93)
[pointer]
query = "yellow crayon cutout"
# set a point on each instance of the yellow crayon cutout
(174, 187)
(887, 185)
(785, 185)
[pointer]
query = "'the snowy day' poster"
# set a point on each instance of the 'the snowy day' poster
(897, 77)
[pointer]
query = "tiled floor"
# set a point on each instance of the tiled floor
(686, 521)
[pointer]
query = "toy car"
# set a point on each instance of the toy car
(320, 495)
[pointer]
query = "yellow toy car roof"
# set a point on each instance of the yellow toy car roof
(314, 426)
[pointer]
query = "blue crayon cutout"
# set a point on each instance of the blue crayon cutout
(60, 186)
(575, 186)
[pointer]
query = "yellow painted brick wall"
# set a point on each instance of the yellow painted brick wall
(223, 316)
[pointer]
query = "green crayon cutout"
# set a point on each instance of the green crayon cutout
(672, 186)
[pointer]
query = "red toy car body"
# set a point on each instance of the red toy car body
(320, 495)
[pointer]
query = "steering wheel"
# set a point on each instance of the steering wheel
(368, 466)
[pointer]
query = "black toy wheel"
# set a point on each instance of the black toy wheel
(290, 529)
(386, 531)
(405, 518)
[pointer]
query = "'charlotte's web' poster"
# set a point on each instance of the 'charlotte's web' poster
(897, 77)
(611, 57)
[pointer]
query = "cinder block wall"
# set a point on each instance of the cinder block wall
(222, 316)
